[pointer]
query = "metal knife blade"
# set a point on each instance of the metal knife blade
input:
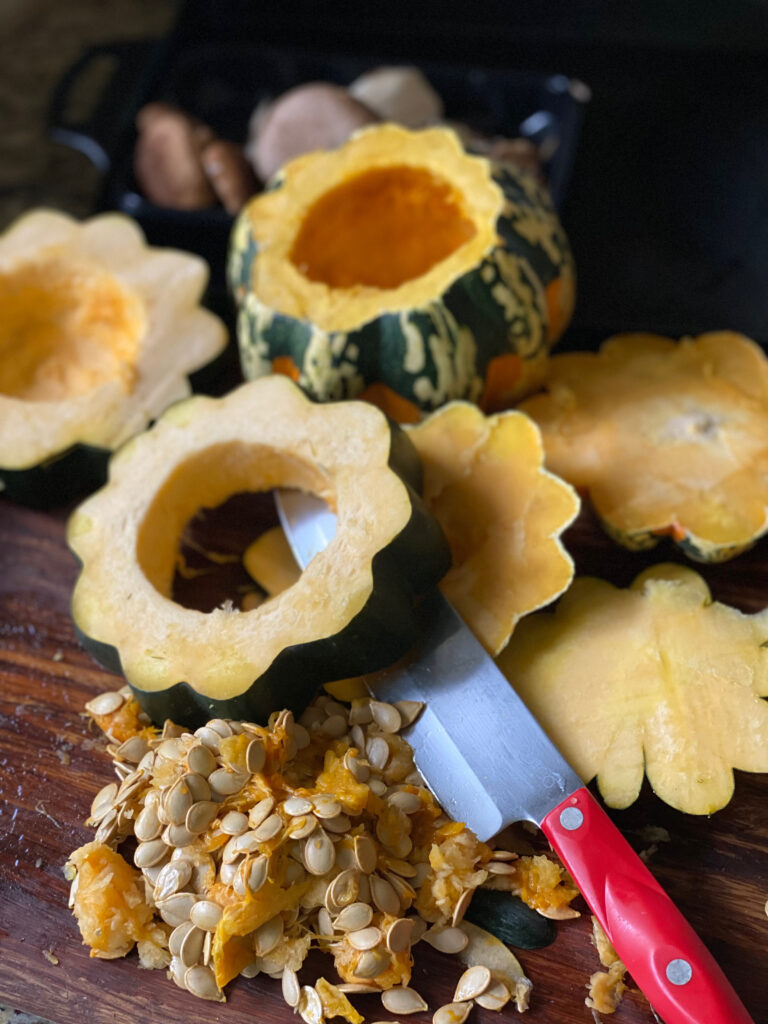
(480, 750)
(488, 762)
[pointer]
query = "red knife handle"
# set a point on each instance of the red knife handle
(667, 959)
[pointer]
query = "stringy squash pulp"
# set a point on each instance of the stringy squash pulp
(667, 437)
(98, 334)
(657, 679)
(400, 269)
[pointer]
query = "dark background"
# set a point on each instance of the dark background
(667, 208)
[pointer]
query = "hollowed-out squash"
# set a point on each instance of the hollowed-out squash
(351, 609)
(400, 269)
(668, 438)
(657, 679)
(98, 335)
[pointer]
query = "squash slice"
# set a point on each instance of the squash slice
(657, 679)
(99, 334)
(667, 438)
(350, 611)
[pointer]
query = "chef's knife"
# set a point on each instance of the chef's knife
(489, 763)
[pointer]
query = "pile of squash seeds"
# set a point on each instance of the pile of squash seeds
(254, 844)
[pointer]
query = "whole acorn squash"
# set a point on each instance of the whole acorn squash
(98, 334)
(351, 610)
(400, 269)
(668, 438)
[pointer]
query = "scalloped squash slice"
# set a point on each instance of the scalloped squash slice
(667, 437)
(655, 678)
(502, 512)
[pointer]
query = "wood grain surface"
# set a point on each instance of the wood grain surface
(52, 764)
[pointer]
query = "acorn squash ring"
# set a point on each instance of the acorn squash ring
(350, 612)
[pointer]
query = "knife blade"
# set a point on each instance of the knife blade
(489, 763)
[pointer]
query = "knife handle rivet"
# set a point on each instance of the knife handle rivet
(679, 972)
(571, 818)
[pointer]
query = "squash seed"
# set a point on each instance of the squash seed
(147, 825)
(386, 716)
(365, 938)
(206, 914)
(353, 764)
(377, 752)
(326, 806)
(405, 892)
(400, 867)
(227, 873)
(267, 936)
(256, 873)
(177, 936)
(105, 703)
(197, 786)
(172, 749)
(324, 922)
(107, 830)
(297, 806)
(132, 749)
(176, 909)
(200, 815)
(500, 867)
(172, 877)
(103, 802)
(201, 760)
(354, 917)
(208, 738)
(446, 940)
(399, 935)
(366, 854)
(338, 825)
(334, 726)
(462, 905)
(361, 988)
(419, 928)
(301, 736)
(220, 726)
(300, 828)
(261, 811)
(226, 783)
(252, 969)
(407, 802)
(378, 786)
(177, 801)
(310, 1006)
(495, 997)
(360, 713)
(291, 987)
(319, 853)
(473, 982)
(384, 896)
(364, 888)
(177, 835)
(177, 970)
(234, 823)
(191, 948)
(344, 889)
(505, 855)
(409, 710)
(403, 1000)
(255, 756)
(358, 738)
(268, 829)
(201, 982)
(372, 963)
(207, 947)
(333, 707)
(149, 854)
(451, 1013)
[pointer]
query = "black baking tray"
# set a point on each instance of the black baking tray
(221, 81)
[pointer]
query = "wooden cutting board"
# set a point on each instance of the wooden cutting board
(52, 764)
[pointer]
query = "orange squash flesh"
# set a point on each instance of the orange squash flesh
(381, 228)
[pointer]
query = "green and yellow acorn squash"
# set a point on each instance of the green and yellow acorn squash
(657, 679)
(400, 269)
(98, 335)
(350, 611)
(667, 438)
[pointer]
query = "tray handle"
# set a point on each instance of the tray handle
(130, 70)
